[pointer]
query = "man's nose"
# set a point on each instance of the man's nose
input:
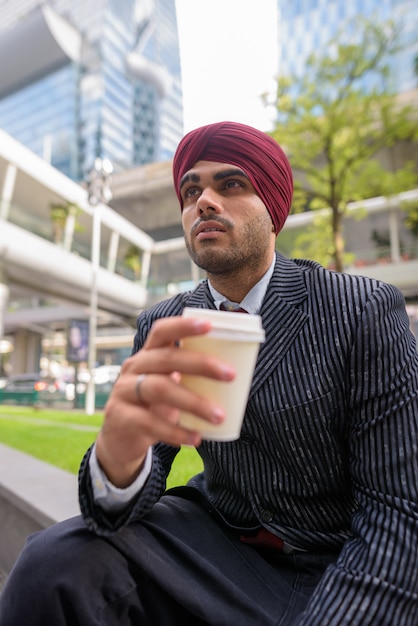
(208, 202)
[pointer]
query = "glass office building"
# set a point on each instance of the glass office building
(306, 26)
(91, 78)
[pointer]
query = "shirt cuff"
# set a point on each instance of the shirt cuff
(107, 496)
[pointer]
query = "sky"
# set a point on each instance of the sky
(229, 57)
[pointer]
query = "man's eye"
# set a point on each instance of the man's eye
(230, 184)
(190, 192)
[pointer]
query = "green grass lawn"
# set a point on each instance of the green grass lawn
(62, 437)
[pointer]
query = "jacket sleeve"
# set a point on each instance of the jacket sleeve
(375, 580)
(104, 523)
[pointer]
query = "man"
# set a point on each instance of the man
(310, 517)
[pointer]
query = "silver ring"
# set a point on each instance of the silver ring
(140, 379)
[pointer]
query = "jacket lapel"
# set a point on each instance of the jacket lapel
(281, 313)
(201, 297)
(282, 317)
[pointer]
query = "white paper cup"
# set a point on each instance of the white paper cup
(235, 338)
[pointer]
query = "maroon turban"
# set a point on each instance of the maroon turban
(255, 152)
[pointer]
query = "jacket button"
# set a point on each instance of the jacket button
(246, 440)
(266, 515)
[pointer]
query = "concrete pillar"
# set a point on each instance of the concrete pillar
(7, 190)
(27, 351)
(4, 298)
(394, 235)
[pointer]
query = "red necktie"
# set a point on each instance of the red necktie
(232, 310)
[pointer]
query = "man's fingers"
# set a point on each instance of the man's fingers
(154, 390)
(167, 360)
(169, 330)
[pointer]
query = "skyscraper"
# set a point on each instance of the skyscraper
(306, 26)
(96, 78)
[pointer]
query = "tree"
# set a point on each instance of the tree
(335, 120)
(59, 214)
(411, 220)
(132, 260)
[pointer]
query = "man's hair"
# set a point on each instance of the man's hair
(255, 152)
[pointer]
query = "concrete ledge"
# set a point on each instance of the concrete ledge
(33, 495)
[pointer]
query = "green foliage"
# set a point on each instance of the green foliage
(315, 242)
(411, 221)
(370, 180)
(333, 127)
(132, 260)
(286, 243)
(59, 212)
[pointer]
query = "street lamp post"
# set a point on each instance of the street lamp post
(98, 187)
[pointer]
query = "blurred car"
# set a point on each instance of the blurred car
(104, 378)
(31, 389)
(106, 374)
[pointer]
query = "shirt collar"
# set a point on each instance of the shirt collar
(254, 298)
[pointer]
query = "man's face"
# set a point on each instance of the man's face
(226, 224)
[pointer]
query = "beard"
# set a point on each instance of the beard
(217, 262)
(248, 252)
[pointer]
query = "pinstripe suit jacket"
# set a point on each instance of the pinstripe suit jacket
(327, 457)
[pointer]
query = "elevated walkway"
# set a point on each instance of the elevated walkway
(51, 253)
(51, 270)
(393, 258)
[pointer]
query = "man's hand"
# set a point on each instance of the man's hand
(141, 412)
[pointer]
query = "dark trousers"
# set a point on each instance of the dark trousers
(177, 566)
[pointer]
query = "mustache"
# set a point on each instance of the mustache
(219, 220)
